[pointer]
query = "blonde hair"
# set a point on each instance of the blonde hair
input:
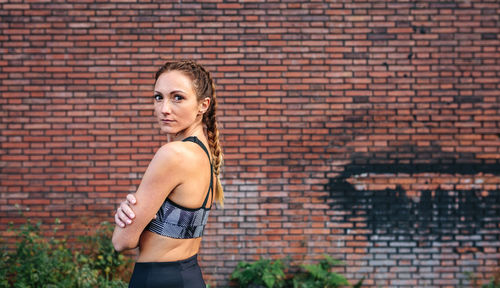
(204, 86)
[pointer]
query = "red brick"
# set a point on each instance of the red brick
(306, 92)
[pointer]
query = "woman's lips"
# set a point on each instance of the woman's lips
(166, 121)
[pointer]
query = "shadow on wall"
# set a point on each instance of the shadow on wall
(438, 211)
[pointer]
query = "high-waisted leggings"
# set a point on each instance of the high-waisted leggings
(179, 274)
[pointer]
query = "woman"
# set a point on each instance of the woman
(172, 203)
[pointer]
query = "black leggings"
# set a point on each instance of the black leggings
(178, 274)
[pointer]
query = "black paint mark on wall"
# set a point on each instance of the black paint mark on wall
(435, 214)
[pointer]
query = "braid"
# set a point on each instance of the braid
(204, 86)
(213, 140)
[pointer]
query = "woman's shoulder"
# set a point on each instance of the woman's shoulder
(177, 152)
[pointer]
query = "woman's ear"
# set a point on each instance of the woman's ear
(204, 105)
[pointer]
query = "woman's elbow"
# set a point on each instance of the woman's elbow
(117, 244)
(119, 247)
(122, 243)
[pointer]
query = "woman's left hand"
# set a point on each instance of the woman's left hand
(124, 213)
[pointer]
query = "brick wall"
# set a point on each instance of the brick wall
(368, 130)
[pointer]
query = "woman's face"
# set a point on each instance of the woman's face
(176, 106)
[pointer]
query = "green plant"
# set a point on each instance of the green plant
(320, 276)
(50, 262)
(4, 268)
(111, 264)
(38, 262)
(262, 273)
(493, 283)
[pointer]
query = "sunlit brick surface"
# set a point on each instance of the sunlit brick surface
(367, 130)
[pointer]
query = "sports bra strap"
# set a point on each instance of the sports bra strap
(195, 139)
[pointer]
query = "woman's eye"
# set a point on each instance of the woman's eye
(158, 97)
(178, 97)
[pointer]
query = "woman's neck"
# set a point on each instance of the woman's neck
(196, 130)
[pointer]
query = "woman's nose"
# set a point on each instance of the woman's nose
(165, 107)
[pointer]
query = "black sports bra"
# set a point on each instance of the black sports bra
(173, 220)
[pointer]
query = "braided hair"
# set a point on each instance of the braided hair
(204, 86)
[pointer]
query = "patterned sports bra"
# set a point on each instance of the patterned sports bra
(175, 221)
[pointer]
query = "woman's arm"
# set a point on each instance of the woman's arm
(163, 174)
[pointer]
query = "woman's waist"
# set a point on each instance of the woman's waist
(157, 248)
(188, 262)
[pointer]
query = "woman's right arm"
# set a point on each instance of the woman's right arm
(164, 173)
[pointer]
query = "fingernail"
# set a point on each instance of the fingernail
(132, 215)
(128, 221)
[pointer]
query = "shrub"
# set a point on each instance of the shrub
(41, 262)
(320, 275)
(475, 282)
(262, 273)
(101, 254)
(265, 273)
